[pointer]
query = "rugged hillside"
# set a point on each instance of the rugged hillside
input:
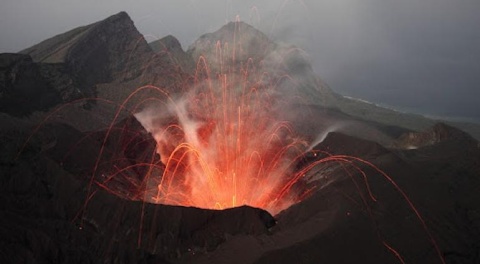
(291, 63)
(69, 66)
(45, 186)
(439, 133)
(111, 49)
(87, 73)
(110, 59)
(171, 47)
(51, 215)
(371, 112)
(72, 178)
(23, 88)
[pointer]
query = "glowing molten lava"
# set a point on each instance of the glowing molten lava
(222, 143)
(223, 147)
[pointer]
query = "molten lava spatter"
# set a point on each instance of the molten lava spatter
(222, 145)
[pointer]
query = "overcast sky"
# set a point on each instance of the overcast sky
(416, 55)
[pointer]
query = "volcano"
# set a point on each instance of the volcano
(232, 151)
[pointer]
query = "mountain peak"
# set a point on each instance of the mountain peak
(247, 40)
(238, 43)
(168, 43)
(56, 49)
(232, 25)
(171, 47)
(97, 53)
(121, 14)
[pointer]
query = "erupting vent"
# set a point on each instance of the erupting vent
(222, 143)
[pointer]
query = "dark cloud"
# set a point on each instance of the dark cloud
(415, 55)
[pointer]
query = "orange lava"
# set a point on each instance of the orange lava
(222, 145)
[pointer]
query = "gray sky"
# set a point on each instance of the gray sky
(416, 55)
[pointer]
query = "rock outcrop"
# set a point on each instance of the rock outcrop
(109, 50)
(23, 88)
(103, 62)
(434, 135)
(170, 47)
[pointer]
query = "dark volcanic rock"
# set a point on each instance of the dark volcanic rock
(58, 77)
(168, 43)
(340, 144)
(51, 216)
(105, 51)
(23, 88)
(356, 217)
(172, 48)
(58, 204)
(436, 134)
(98, 66)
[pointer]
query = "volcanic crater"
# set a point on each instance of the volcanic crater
(234, 151)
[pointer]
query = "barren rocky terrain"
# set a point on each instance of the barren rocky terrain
(401, 188)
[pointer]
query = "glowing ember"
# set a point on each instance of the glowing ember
(222, 143)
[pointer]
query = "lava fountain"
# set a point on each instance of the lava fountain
(222, 143)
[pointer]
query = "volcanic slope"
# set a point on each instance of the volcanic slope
(95, 61)
(88, 72)
(283, 60)
(108, 50)
(354, 218)
(238, 43)
(52, 213)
